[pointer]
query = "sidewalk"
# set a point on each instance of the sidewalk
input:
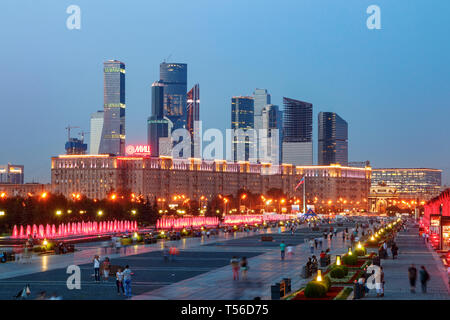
(265, 270)
(412, 250)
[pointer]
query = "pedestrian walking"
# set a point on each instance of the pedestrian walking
(127, 280)
(394, 250)
(311, 245)
(331, 236)
(106, 266)
(282, 249)
(166, 254)
(244, 267)
(235, 267)
(424, 278)
(343, 236)
(290, 250)
(119, 281)
(96, 268)
(412, 275)
(315, 243)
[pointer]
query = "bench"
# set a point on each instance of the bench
(266, 238)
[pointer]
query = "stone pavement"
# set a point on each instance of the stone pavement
(86, 252)
(265, 270)
(413, 250)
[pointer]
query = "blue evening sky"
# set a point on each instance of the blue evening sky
(391, 85)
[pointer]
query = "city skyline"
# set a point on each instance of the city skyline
(382, 97)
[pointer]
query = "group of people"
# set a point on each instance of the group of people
(123, 275)
(283, 248)
(424, 277)
(239, 265)
(387, 249)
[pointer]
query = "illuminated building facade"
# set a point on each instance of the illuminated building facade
(24, 190)
(436, 220)
(96, 176)
(113, 132)
(410, 183)
(10, 173)
(174, 78)
(297, 132)
(333, 139)
(381, 197)
(242, 119)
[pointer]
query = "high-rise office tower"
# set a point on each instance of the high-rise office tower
(333, 139)
(113, 133)
(270, 138)
(297, 132)
(157, 124)
(242, 119)
(174, 78)
(193, 115)
(261, 99)
(96, 131)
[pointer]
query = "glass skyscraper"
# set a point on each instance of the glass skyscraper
(174, 78)
(96, 131)
(113, 133)
(193, 115)
(242, 117)
(333, 139)
(272, 138)
(297, 132)
(157, 124)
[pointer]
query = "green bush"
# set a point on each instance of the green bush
(350, 260)
(327, 282)
(360, 252)
(339, 272)
(315, 289)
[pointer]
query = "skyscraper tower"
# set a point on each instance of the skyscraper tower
(271, 138)
(242, 117)
(113, 133)
(96, 131)
(333, 139)
(262, 99)
(297, 132)
(193, 115)
(157, 124)
(174, 78)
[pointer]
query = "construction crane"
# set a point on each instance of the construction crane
(167, 59)
(68, 131)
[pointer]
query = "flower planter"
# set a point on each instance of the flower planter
(330, 295)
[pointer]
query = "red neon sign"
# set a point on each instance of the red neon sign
(138, 150)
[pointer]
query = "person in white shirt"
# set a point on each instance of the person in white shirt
(119, 281)
(97, 268)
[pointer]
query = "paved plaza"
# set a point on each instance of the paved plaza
(202, 262)
(202, 269)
